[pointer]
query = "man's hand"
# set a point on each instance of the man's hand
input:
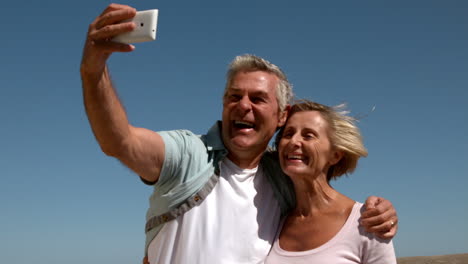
(380, 217)
(98, 46)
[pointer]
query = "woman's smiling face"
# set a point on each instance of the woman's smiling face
(305, 148)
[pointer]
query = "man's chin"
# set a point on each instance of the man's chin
(243, 144)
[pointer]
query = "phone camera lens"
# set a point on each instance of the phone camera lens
(141, 24)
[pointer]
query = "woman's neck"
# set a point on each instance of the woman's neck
(314, 195)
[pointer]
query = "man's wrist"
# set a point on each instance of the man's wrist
(92, 74)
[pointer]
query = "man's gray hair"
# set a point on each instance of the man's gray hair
(249, 63)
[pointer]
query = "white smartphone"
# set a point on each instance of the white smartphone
(146, 23)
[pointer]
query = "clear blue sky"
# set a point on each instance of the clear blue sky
(63, 201)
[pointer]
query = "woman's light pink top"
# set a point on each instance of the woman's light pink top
(352, 244)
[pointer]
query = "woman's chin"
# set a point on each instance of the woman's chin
(295, 171)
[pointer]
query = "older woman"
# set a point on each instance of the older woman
(317, 144)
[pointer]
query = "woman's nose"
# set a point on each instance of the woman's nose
(295, 140)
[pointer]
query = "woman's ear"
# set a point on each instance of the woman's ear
(336, 156)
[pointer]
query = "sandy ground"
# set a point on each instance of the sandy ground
(445, 259)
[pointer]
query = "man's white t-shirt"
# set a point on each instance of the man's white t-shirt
(236, 223)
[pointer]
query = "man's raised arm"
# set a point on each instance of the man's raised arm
(142, 150)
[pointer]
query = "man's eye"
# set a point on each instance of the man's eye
(257, 100)
(235, 97)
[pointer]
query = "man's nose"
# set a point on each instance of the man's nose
(245, 104)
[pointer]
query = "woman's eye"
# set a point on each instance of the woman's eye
(287, 135)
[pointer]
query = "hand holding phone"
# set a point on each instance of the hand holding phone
(146, 23)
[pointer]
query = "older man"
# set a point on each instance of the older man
(217, 198)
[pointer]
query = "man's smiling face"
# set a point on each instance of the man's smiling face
(250, 114)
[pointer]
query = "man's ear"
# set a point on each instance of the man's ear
(283, 116)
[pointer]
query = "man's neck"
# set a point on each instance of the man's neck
(245, 162)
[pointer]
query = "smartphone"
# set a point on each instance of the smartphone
(146, 23)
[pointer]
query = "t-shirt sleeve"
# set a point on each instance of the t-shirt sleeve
(183, 152)
(374, 250)
(379, 251)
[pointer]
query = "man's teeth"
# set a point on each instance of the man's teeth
(243, 124)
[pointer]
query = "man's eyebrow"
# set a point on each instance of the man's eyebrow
(234, 89)
(254, 93)
(260, 93)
